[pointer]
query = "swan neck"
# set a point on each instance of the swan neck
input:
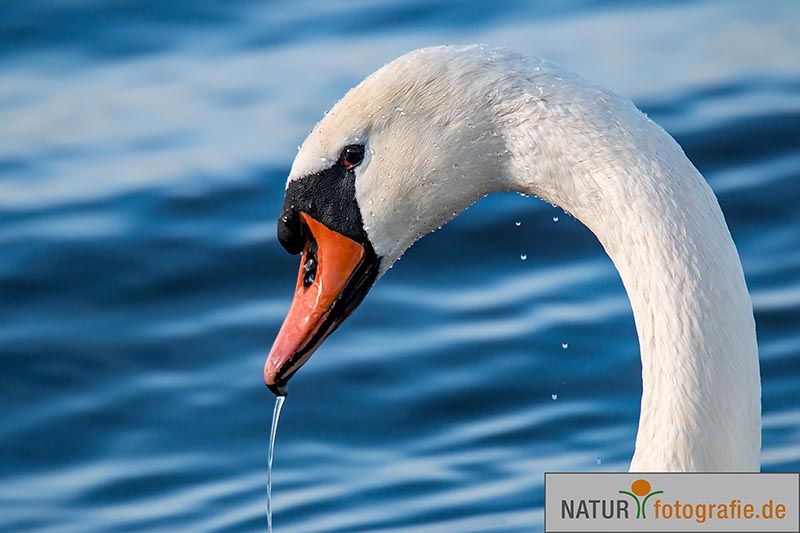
(662, 227)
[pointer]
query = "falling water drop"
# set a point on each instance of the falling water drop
(276, 414)
(555, 219)
(565, 345)
(524, 257)
(518, 223)
(554, 396)
(599, 461)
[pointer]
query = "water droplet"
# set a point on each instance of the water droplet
(599, 461)
(524, 257)
(518, 223)
(555, 219)
(554, 396)
(565, 345)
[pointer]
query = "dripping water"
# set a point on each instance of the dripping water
(276, 414)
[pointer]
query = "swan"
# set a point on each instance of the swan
(433, 131)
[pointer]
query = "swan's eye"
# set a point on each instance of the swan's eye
(352, 155)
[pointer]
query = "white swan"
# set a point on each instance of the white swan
(435, 130)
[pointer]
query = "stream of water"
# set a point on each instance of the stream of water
(276, 415)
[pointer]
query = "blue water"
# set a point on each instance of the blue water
(143, 154)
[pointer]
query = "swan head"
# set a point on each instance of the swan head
(435, 130)
(401, 154)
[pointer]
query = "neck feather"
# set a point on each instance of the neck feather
(630, 183)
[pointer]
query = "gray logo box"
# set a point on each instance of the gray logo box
(588, 502)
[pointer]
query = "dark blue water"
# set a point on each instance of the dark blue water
(143, 153)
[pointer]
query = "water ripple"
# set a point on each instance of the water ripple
(143, 159)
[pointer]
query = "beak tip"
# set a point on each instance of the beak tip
(278, 389)
(270, 380)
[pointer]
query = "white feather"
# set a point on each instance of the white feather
(445, 126)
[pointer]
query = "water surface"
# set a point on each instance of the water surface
(143, 154)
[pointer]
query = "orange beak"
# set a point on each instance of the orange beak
(330, 263)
